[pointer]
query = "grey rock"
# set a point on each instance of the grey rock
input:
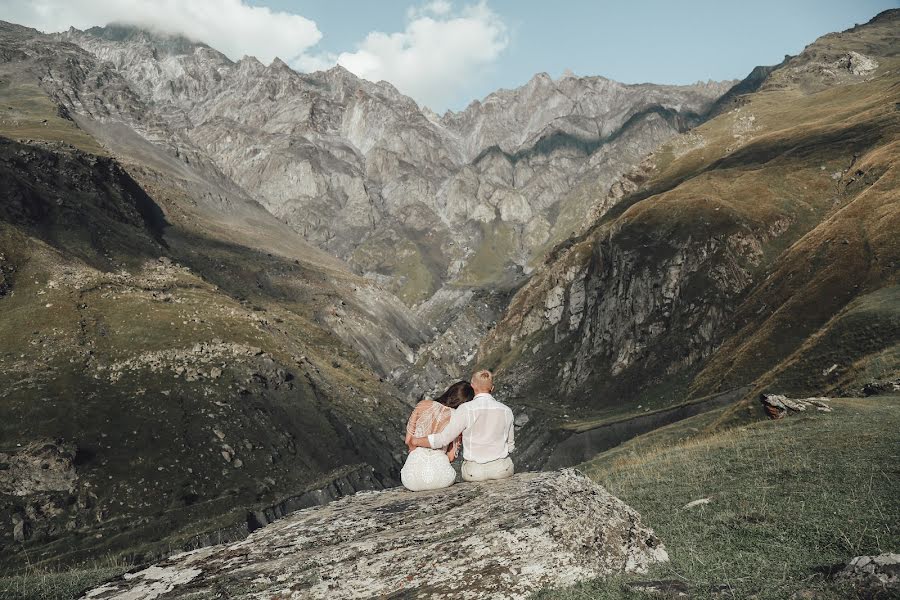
(880, 571)
(18, 523)
(663, 588)
(698, 502)
(42, 466)
(521, 419)
(778, 406)
(503, 539)
(876, 388)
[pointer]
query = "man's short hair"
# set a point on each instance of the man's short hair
(483, 379)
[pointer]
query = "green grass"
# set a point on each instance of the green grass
(44, 584)
(413, 280)
(790, 499)
(493, 255)
(839, 355)
(27, 113)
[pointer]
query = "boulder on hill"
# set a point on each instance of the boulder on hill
(502, 539)
(778, 406)
(874, 576)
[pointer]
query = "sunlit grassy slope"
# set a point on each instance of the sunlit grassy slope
(787, 500)
(27, 113)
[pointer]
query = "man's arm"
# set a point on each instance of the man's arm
(438, 440)
(419, 442)
(511, 434)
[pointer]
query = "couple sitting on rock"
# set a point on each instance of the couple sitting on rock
(465, 414)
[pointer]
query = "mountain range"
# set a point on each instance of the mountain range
(224, 283)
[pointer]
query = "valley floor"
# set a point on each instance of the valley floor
(788, 500)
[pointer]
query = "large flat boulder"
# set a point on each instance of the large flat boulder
(501, 539)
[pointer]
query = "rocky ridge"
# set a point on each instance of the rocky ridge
(874, 576)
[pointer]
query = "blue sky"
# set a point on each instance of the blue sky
(445, 53)
(659, 41)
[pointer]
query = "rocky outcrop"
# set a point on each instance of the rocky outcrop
(873, 576)
(778, 406)
(624, 302)
(503, 539)
(817, 68)
(39, 467)
(879, 387)
(38, 487)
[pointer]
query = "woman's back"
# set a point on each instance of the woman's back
(427, 468)
(428, 417)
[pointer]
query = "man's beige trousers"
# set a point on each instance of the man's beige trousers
(496, 469)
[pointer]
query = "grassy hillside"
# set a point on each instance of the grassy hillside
(789, 499)
(184, 381)
(760, 249)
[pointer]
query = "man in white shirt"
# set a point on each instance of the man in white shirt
(487, 429)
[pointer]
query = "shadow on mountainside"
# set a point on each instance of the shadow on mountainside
(84, 205)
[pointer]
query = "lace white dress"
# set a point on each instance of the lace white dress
(427, 469)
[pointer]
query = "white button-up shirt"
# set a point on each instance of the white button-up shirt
(486, 426)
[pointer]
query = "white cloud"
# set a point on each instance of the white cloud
(440, 53)
(436, 7)
(230, 26)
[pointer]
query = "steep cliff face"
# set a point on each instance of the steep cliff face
(727, 257)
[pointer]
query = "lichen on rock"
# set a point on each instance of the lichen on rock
(502, 539)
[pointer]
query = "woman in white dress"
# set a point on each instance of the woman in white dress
(428, 469)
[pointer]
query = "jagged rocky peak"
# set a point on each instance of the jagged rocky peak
(129, 47)
(16, 29)
(167, 43)
(510, 118)
(279, 64)
(364, 154)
